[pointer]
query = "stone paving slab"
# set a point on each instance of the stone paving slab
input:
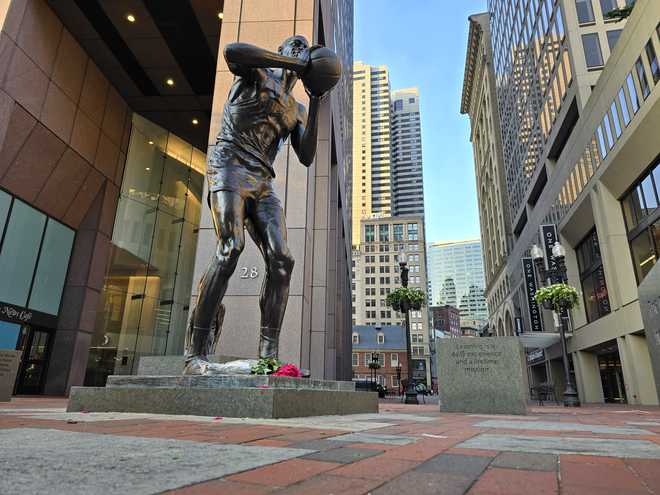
(375, 438)
(341, 423)
(561, 426)
(465, 465)
(528, 461)
(55, 462)
(641, 449)
(343, 455)
(643, 423)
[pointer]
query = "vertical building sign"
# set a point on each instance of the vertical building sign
(548, 238)
(536, 322)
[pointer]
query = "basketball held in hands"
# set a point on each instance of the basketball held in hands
(324, 71)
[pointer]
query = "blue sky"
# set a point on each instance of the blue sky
(423, 43)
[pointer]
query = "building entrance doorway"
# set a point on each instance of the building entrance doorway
(611, 376)
(35, 343)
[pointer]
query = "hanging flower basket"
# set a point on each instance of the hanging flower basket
(558, 297)
(398, 298)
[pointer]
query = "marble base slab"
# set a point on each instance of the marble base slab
(250, 396)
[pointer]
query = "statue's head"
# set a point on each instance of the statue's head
(293, 46)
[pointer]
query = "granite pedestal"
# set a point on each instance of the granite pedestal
(253, 396)
(482, 375)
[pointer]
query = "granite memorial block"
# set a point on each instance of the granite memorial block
(9, 361)
(482, 375)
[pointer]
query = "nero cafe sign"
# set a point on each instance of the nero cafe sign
(536, 323)
(17, 314)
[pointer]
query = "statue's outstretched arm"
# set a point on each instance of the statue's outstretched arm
(304, 136)
(243, 57)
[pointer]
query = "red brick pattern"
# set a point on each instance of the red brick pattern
(398, 468)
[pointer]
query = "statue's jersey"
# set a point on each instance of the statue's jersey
(258, 116)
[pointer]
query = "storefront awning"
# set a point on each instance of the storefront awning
(539, 340)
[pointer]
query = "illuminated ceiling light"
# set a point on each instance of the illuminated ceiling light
(130, 18)
(220, 15)
(147, 169)
(195, 121)
(150, 142)
(169, 81)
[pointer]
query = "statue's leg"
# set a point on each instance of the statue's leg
(269, 232)
(228, 212)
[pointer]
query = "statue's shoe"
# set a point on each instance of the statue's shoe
(238, 367)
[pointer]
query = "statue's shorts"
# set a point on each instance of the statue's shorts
(232, 172)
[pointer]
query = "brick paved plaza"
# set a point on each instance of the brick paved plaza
(403, 449)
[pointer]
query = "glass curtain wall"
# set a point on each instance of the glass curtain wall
(148, 283)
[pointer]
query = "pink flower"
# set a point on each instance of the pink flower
(288, 370)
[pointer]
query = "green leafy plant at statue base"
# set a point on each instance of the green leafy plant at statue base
(414, 296)
(266, 366)
(558, 296)
(374, 365)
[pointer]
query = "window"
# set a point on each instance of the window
(653, 61)
(369, 233)
(601, 142)
(607, 6)
(615, 119)
(355, 359)
(585, 11)
(413, 232)
(394, 360)
(34, 256)
(381, 338)
(642, 215)
(641, 74)
(608, 131)
(592, 277)
(624, 107)
(613, 37)
(398, 231)
(398, 105)
(356, 338)
(592, 54)
(384, 233)
(632, 91)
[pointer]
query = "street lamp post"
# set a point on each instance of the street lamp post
(556, 273)
(411, 393)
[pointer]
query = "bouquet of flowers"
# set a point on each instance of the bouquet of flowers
(270, 366)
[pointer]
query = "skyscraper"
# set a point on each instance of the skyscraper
(479, 101)
(578, 99)
(372, 182)
(407, 177)
(456, 272)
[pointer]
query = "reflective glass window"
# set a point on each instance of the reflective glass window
(601, 142)
(19, 253)
(51, 269)
(624, 107)
(632, 92)
(585, 11)
(614, 115)
(641, 75)
(653, 61)
(9, 335)
(643, 253)
(592, 53)
(613, 37)
(607, 6)
(650, 199)
(5, 201)
(608, 131)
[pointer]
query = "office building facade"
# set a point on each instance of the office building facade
(586, 167)
(479, 101)
(376, 272)
(372, 173)
(406, 160)
(106, 114)
(456, 272)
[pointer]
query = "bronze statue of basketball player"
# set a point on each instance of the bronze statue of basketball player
(259, 115)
